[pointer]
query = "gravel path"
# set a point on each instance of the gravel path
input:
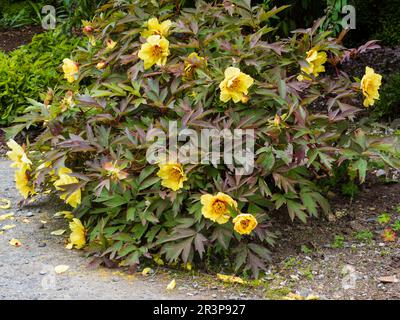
(27, 272)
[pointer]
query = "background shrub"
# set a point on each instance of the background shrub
(30, 70)
(376, 19)
(14, 14)
(389, 104)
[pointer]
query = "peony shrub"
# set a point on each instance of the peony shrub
(214, 66)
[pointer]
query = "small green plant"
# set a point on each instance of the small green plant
(292, 262)
(364, 236)
(307, 273)
(350, 189)
(384, 218)
(338, 242)
(305, 249)
(396, 225)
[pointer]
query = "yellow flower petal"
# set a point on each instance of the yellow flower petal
(5, 203)
(7, 216)
(216, 208)
(146, 271)
(8, 227)
(235, 85)
(315, 62)
(156, 28)
(61, 268)
(154, 52)
(71, 70)
(172, 176)
(15, 243)
(77, 237)
(66, 214)
(58, 232)
(18, 155)
(171, 285)
(370, 84)
(230, 279)
(22, 183)
(73, 199)
(245, 223)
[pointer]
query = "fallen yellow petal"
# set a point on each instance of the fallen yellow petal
(65, 214)
(61, 268)
(5, 203)
(6, 216)
(230, 279)
(188, 266)
(294, 296)
(8, 227)
(26, 220)
(58, 232)
(171, 285)
(146, 271)
(15, 242)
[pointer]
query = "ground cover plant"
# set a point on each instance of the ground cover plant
(30, 70)
(209, 67)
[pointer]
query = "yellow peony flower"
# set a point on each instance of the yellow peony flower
(71, 70)
(172, 175)
(193, 61)
(114, 171)
(154, 51)
(316, 62)
(244, 223)
(18, 155)
(77, 237)
(156, 28)
(370, 85)
(216, 208)
(22, 183)
(235, 85)
(65, 179)
(111, 44)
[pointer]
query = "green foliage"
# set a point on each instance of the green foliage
(364, 236)
(30, 70)
(396, 225)
(302, 14)
(305, 249)
(69, 13)
(384, 25)
(384, 218)
(350, 189)
(100, 120)
(338, 242)
(72, 12)
(17, 14)
(389, 104)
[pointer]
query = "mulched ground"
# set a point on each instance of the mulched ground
(13, 38)
(321, 270)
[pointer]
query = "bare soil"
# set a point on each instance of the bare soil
(14, 38)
